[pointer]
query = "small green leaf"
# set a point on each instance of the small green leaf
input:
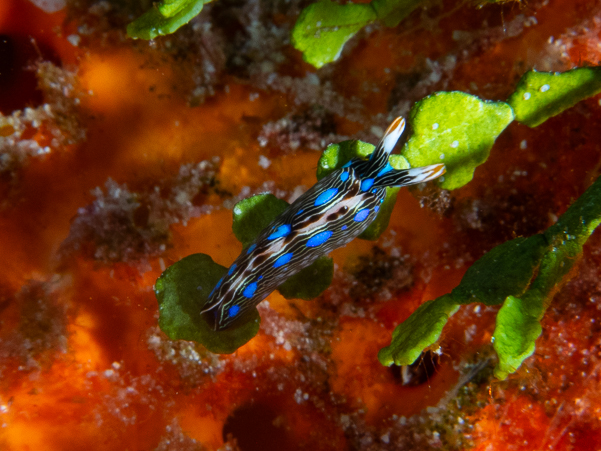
(337, 155)
(504, 275)
(169, 8)
(541, 95)
(420, 330)
(253, 214)
(391, 12)
(518, 321)
(323, 28)
(310, 282)
(165, 18)
(456, 129)
(504, 271)
(515, 334)
(182, 290)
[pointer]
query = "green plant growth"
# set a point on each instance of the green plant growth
(324, 27)
(164, 18)
(451, 127)
(504, 276)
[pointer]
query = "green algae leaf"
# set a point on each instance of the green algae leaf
(164, 18)
(253, 214)
(504, 271)
(170, 8)
(518, 321)
(456, 129)
(504, 275)
(515, 334)
(580, 220)
(380, 224)
(541, 95)
(182, 290)
(310, 282)
(391, 12)
(337, 155)
(324, 27)
(420, 330)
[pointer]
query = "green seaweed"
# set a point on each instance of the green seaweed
(456, 129)
(503, 275)
(504, 271)
(541, 95)
(420, 330)
(518, 321)
(324, 27)
(253, 214)
(182, 290)
(164, 18)
(309, 282)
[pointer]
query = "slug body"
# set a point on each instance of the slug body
(329, 215)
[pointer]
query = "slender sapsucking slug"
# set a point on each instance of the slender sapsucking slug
(329, 215)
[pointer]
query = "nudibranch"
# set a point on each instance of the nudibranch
(329, 215)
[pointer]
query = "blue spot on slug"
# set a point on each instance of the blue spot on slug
(377, 208)
(232, 269)
(259, 278)
(282, 260)
(300, 211)
(344, 227)
(251, 248)
(325, 196)
(283, 230)
(366, 184)
(344, 176)
(319, 239)
(233, 311)
(347, 164)
(361, 215)
(250, 290)
(385, 169)
(381, 201)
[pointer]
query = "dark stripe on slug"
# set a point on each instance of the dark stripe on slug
(260, 259)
